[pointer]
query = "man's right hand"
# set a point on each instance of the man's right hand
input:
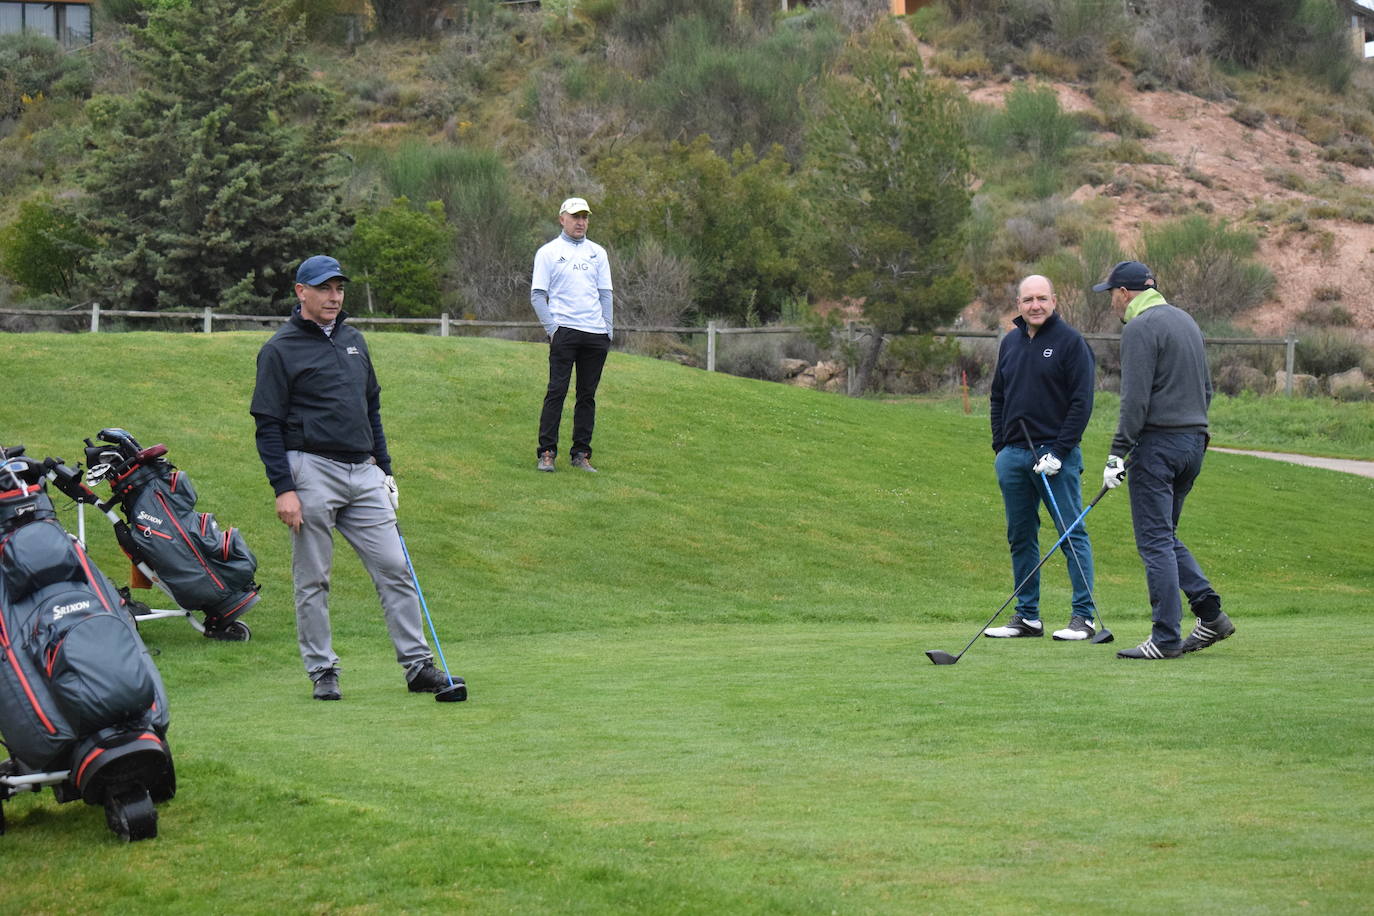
(289, 510)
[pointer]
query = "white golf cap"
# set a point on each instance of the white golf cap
(574, 205)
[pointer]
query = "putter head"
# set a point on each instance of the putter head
(1103, 635)
(454, 693)
(938, 657)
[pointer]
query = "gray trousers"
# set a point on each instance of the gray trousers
(352, 499)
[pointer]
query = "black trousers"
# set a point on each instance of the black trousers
(571, 348)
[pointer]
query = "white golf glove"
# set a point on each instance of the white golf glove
(1048, 465)
(392, 493)
(1114, 473)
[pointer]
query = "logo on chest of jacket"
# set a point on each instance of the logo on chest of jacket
(1049, 351)
(353, 351)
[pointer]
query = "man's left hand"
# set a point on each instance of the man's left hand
(393, 494)
(1048, 465)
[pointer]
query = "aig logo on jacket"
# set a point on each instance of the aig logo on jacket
(1049, 351)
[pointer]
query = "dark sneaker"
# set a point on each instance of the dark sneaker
(545, 461)
(327, 686)
(1149, 650)
(582, 463)
(1078, 628)
(1017, 626)
(426, 678)
(1205, 634)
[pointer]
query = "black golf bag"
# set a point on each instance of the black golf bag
(186, 553)
(82, 706)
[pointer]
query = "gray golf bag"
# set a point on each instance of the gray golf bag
(201, 566)
(82, 706)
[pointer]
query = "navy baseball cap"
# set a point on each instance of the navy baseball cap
(314, 271)
(1130, 275)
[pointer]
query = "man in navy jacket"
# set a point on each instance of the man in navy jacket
(1043, 385)
(319, 432)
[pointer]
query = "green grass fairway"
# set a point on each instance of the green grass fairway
(698, 678)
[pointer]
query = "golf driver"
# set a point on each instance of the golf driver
(938, 657)
(1103, 634)
(456, 691)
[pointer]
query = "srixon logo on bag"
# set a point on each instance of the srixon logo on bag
(62, 610)
(150, 519)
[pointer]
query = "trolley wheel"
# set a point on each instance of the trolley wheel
(236, 631)
(130, 814)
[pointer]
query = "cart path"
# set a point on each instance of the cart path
(1345, 465)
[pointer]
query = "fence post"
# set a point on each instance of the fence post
(95, 317)
(443, 324)
(850, 373)
(710, 346)
(1290, 358)
(209, 323)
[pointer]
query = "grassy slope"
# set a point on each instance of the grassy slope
(698, 680)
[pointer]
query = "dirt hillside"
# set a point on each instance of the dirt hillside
(1220, 163)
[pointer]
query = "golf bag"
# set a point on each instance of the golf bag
(82, 706)
(186, 553)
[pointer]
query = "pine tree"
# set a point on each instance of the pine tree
(209, 184)
(890, 178)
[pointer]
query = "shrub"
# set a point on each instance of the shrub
(493, 220)
(1207, 268)
(653, 288)
(43, 248)
(33, 66)
(912, 364)
(1329, 352)
(750, 356)
(400, 253)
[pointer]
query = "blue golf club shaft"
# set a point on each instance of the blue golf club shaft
(423, 606)
(1058, 518)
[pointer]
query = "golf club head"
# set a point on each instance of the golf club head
(939, 657)
(1103, 635)
(454, 693)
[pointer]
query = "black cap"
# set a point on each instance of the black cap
(1127, 275)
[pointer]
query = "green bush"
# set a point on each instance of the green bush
(33, 66)
(1207, 267)
(43, 248)
(739, 93)
(400, 252)
(750, 356)
(1031, 136)
(495, 226)
(1327, 352)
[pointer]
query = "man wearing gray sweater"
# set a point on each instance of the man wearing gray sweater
(1166, 389)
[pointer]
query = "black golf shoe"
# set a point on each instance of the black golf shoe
(1207, 633)
(426, 678)
(327, 686)
(1016, 627)
(1078, 628)
(1149, 650)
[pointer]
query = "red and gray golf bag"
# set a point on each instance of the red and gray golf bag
(186, 553)
(82, 706)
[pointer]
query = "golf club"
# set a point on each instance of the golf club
(944, 658)
(456, 691)
(1103, 634)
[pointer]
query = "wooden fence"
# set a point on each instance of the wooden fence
(208, 317)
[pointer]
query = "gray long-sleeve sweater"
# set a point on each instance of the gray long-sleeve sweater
(1165, 383)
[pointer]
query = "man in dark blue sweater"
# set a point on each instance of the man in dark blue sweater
(1043, 385)
(319, 432)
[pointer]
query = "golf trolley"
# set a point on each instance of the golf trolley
(82, 706)
(185, 553)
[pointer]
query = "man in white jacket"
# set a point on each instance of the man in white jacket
(572, 294)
